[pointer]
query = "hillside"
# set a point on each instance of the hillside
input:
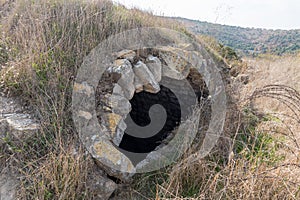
(249, 41)
(71, 72)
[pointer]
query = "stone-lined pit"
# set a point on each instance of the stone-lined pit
(132, 85)
(140, 106)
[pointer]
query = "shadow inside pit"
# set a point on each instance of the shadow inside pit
(141, 104)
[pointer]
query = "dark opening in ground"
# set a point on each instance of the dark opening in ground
(141, 104)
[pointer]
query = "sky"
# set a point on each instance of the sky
(270, 14)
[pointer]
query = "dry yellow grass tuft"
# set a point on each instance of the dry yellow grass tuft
(42, 45)
(46, 42)
(56, 176)
(264, 158)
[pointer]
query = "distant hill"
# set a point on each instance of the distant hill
(249, 41)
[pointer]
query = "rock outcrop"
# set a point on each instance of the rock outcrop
(132, 72)
(109, 79)
(8, 185)
(15, 122)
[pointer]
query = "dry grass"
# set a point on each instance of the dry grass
(43, 44)
(262, 165)
(271, 69)
(264, 158)
(56, 176)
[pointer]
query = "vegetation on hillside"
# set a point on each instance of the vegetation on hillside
(249, 41)
(43, 43)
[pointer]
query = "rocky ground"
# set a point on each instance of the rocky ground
(131, 75)
(16, 123)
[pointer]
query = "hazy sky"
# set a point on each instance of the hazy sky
(275, 14)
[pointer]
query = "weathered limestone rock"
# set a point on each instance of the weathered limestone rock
(83, 88)
(8, 185)
(100, 186)
(126, 54)
(146, 77)
(154, 65)
(177, 67)
(22, 122)
(171, 73)
(111, 121)
(108, 155)
(119, 132)
(119, 109)
(123, 67)
(14, 122)
(117, 90)
(138, 84)
(120, 105)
